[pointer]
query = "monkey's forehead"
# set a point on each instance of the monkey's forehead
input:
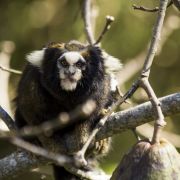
(70, 46)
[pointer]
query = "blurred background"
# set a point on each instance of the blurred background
(27, 25)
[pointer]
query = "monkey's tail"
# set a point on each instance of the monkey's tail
(60, 173)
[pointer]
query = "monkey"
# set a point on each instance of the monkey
(58, 78)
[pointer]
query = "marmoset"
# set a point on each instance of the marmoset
(57, 79)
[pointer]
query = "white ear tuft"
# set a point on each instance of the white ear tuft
(112, 64)
(36, 57)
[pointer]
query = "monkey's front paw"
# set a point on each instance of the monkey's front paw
(104, 111)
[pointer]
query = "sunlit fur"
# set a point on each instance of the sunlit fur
(36, 57)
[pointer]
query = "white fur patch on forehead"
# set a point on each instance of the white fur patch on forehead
(36, 57)
(72, 57)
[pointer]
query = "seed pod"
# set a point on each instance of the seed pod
(149, 162)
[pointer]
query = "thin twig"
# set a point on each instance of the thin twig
(109, 20)
(159, 123)
(142, 8)
(86, 12)
(10, 70)
(62, 160)
(37, 150)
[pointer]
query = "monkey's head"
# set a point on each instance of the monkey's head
(68, 66)
(71, 66)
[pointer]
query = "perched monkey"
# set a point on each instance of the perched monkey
(57, 79)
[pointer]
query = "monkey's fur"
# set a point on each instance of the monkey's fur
(45, 91)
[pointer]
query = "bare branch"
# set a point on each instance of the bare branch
(138, 115)
(17, 163)
(86, 12)
(109, 20)
(155, 39)
(7, 48)
(159, 123)
(146, 70)
(10, 70)
(142, 8)
(37, 150)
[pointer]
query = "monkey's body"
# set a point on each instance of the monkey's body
(44, 93)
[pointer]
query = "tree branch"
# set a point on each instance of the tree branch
(144, 79)
(117, 123)
(109, 20)
(138, 115)
(142, 8)
(17, 163)
(10, 70)
(86, 13)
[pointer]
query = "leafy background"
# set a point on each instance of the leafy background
(30, 24)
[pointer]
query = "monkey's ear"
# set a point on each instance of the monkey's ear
(112, 64)
(36, 57)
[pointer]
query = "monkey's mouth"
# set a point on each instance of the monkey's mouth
(68, 84)
(69, 79)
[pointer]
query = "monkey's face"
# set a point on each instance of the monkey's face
(71, 65)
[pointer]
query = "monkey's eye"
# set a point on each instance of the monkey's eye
(80, 64)
(64, 63)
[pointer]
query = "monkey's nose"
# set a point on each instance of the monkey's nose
(70, 73)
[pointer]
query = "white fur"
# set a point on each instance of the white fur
(112, 64)
(112, 67)
(72, 57)
(113, 82)
(77, 76)
(68, 85)
(36, 57)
